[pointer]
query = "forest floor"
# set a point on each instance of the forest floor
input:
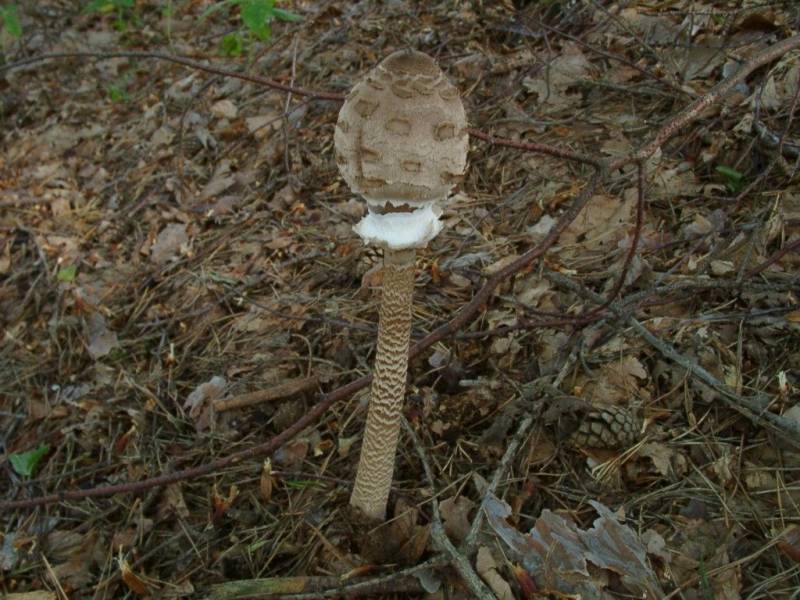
(176, 241)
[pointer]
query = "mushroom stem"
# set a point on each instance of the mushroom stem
(376, 464)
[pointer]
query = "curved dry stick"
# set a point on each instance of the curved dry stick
(795, 245)
(333, 96)
(270, 83)
(559, 319)
(536, 148)
(260, 450)
(483, 295)
(716, 94)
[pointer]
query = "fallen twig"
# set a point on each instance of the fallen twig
(279, 392)
(261, 450)
(289, 89)
(306, 588)
(511, 451)
(536, 148)
(795, 245)
(459, 562)
(186, 62)
(499, 473)
(717, 93)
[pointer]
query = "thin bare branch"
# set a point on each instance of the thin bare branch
(457, 559)
(186, 62)
(717, 93)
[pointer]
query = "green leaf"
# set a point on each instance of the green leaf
(286, 15)
(256, 545)
(256, 15)
(25, 463)
(301, 484)
(729, 172)
(67, 274)
(10, 19)
(231, 45)
(734, 180)
(117, 94)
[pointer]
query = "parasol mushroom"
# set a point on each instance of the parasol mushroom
(401, 143)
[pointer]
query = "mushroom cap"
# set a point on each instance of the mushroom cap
(401, 137)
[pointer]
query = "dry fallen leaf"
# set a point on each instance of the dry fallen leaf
(262, 125)
(134, 583)
(224, 109)
(667, 461)
(616, 382)
(172, 503)
(398, 541)
(169, 243)
(601, 224)
(220, 182)
(455, 514)
(789, 543)
(73, 556)
(567, 69)
(558, 554)
(101, 340)
(411, 538)
(655, 30)
(699, 544)
(292, 454)
(486, 567)
(200, 403)
(267, 481)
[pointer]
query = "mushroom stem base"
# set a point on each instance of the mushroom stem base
(376, 464)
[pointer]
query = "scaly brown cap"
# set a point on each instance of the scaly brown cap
(402, 135)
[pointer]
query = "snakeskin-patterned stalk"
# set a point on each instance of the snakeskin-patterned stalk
(376, 465)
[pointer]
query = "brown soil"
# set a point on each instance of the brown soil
(172, 239)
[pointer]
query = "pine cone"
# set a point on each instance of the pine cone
(370, 258)
(608, 427)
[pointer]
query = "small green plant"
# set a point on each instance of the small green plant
(168, 12)
(25, 463)
(10, 20)
(118, 91)
(256, 15)
(67, 274)
(734, 180)
(706, 591)
(117, 94)
(122, 8)
(232, 44)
